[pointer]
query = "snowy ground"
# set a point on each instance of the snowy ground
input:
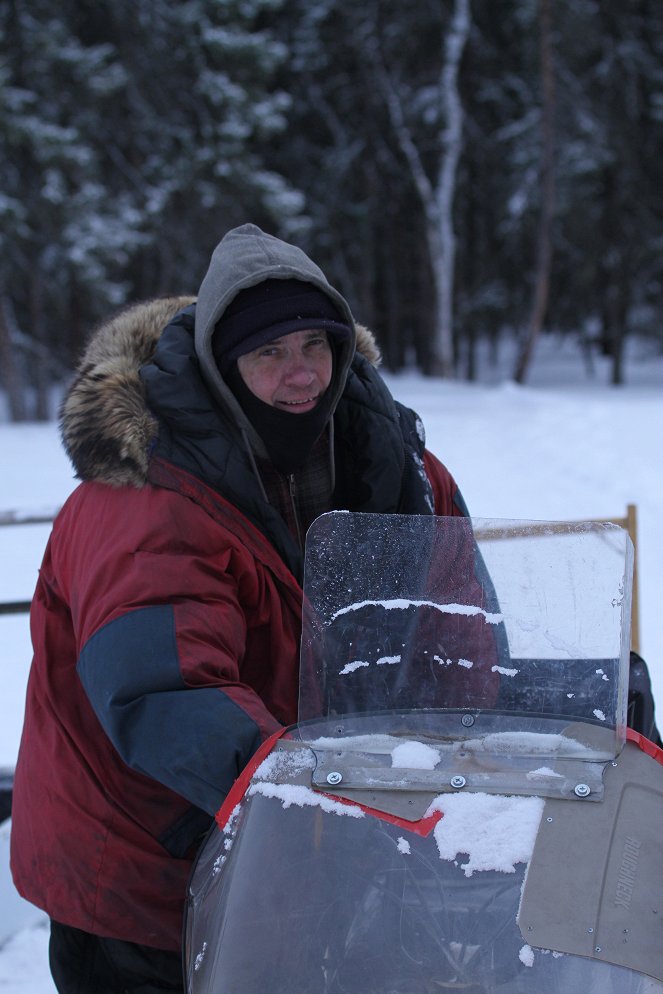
(563, 447)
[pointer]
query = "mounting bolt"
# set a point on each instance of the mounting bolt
(457, 782)
(582, 790)
(333, 778)
(467, 720)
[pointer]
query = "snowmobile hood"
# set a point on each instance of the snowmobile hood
(493, 894)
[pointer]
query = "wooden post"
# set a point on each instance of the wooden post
(632, 529)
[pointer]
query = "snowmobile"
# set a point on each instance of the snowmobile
(461, 805)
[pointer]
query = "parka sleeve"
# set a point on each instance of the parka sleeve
(448, 498)
(169, 658)
(193, 739)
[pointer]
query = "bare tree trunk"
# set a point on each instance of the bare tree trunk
(436, 200)
(455, 42)
(12, 380)
(615, 318)
(544, 242)
(41, 378)
(613, 278)
(617, 379)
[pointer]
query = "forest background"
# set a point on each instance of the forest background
(462, 171)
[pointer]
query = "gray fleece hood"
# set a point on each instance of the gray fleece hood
(244, 257)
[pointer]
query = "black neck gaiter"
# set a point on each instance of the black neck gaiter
(288, 438)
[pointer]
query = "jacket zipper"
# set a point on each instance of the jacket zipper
(292, 487)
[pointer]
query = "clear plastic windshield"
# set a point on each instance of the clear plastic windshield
(422, 615)
(301, 898)
(437, 821)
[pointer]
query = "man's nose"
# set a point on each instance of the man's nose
(299, 370)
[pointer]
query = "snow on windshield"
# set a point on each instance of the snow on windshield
(490, 831)
(404, 603)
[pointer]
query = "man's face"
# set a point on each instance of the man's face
(290, 373)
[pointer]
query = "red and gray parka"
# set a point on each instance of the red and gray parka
(167, 614)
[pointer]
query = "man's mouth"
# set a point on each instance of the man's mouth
(294, 404)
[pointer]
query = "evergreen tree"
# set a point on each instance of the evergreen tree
(133, 136)
(611, 202)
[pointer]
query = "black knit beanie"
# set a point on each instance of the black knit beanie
(270, 310)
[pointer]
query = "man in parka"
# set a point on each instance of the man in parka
(208, 435)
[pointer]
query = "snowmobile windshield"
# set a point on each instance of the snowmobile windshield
(300, 894)
(441, 818)
(451, 622)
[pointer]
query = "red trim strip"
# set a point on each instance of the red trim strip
(422, 827)
(645, 744)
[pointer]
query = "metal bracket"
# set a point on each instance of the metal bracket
(347, 771)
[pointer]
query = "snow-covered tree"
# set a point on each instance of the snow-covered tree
(400, 143)
(377, 97)
(132, 136)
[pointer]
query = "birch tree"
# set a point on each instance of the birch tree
(544, 248)
(437, 192)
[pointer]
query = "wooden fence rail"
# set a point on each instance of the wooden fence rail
(627, 521)
(15, 519)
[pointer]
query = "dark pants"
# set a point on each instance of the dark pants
(82, 963)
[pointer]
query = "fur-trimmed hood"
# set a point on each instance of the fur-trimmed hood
(107, 427)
